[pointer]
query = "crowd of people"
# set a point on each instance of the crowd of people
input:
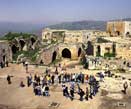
(70, 82)
(41, 84)
(91, 82)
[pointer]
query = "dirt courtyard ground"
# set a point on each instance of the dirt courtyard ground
(14, 97)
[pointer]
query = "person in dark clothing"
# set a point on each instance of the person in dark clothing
(22, 84)
(87, 93)
(82, 78)
(9, 79)
(124, 63)
(38, 80)
(39, 90)
(125, 86)
(91, 79)
(1, 64)
(94, 85)
(101, 76)
(41, 62)
(81, 93)
(59, 77)
(71, 93)
(46, 90)
(35, 90)
(29, 81)
(26, 67)
(56, 70)
(7, 64)
(46, 71)
(65, 92)
(35, 77)
(52, 79)
(34, 87)
(109, 73)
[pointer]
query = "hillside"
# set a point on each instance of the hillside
(6, 27)
(79, 25)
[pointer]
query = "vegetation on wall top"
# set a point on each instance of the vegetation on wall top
(10, 36)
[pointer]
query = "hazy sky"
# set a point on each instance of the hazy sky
(63, 10)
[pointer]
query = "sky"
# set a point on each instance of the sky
(53, 11)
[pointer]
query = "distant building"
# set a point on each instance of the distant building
(119, 28)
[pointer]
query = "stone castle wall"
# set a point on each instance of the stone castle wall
(5, 52)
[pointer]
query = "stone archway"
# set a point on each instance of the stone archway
(54, 56)
(66, 53)
(128, 33)
(22, 44)
(118, 33)
(79, 52)
(32, 41)
(90, 48)
(98, 50)
(14, 49)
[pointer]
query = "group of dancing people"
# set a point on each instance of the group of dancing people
(41, 84)
(92, 86)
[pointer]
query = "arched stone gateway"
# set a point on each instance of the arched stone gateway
(98, 50)
(90, 48)
(22, 44)
(66, 53)
(79, 52)
(118, 33)
(54, 56)
(14, 49)
(32, 41)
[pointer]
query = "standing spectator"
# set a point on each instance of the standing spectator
(26, 66)
(29, 80)
(91, 85)
(7, 64)
(56, 70)
(101, 76)
(52, 79)
(22, 84)
(81, 93)
(35, 77)
(41, 62)
(87, 93)
(46, 90)
(59, 77)
(72, 93)
(125, 86)
(86, 78)
(9, 79)
(1, 63)
(65, 91)
(46, 71)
